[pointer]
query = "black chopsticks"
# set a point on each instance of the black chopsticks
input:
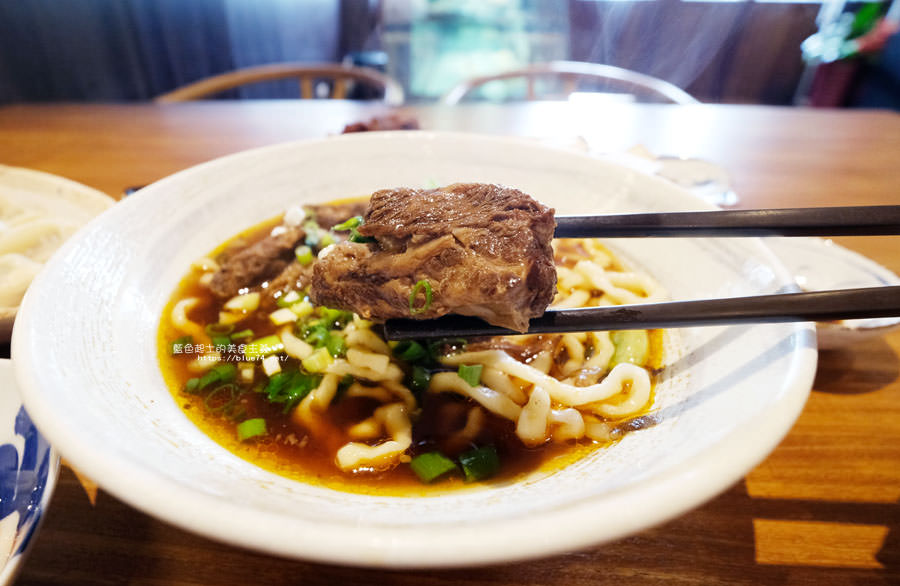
(789, 307)
(825, 221)
(867, 302)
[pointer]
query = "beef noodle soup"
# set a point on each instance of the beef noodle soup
(316, 394)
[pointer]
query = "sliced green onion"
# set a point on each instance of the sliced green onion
(251, 428)
(302, 308)
(348, 224)
(431, 466)
(277, 382)
(226, 372)
(318, 361)
(180, 343)
(221, 398)
(300, 386)
(207, 379)
(262, 347)
(480, 463)
(335, 318)
(336, 345)
(470, 373)
(290, 387)
(304, 255)
(289, 298)
(223, 373)
(422, 285)
(419, 379)
(191, 385)
(219, 329)
(355, 236)
(221, 340)
(242, 335)
(410, 351)
(316, 334)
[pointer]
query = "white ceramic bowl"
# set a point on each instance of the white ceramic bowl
(28, 471)
(85, 354)
(819, 264)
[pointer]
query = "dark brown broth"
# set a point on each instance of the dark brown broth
(307, 455)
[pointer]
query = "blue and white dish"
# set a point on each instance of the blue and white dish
(28, 470)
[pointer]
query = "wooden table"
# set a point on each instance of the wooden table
(823, 508)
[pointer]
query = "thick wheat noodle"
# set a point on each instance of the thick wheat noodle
(490, 399)
(395, 419)
(560, 392)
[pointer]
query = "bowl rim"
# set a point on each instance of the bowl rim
(560, 529)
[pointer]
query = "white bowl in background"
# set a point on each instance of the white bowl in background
(29, 198)
(818, 265)
(84, 348)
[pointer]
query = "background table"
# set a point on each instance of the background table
(823, 508)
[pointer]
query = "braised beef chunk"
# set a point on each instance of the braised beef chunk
(272, 259)
(258, 262)
(294, 277)
(386, 122)
(329, 215)
(483, 249)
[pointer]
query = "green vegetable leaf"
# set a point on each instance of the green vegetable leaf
(470, 373)
(220, 373)
(410, 351)
(251, 428)
(480, 463)
(431, 466)
(242, 335)
(336, 345)
(334, 318)
(355, 236)
(348, 224)
(316, 334)
(419, 379)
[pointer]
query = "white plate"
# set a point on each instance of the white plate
(85, 355)
(28, 195)
(28, 471)
(819, 265)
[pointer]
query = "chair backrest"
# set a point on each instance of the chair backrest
(571, 72)
(307, 74)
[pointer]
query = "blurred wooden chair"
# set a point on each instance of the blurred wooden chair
(570, 74)
(309, 76)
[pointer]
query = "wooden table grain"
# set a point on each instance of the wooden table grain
(821, 509)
